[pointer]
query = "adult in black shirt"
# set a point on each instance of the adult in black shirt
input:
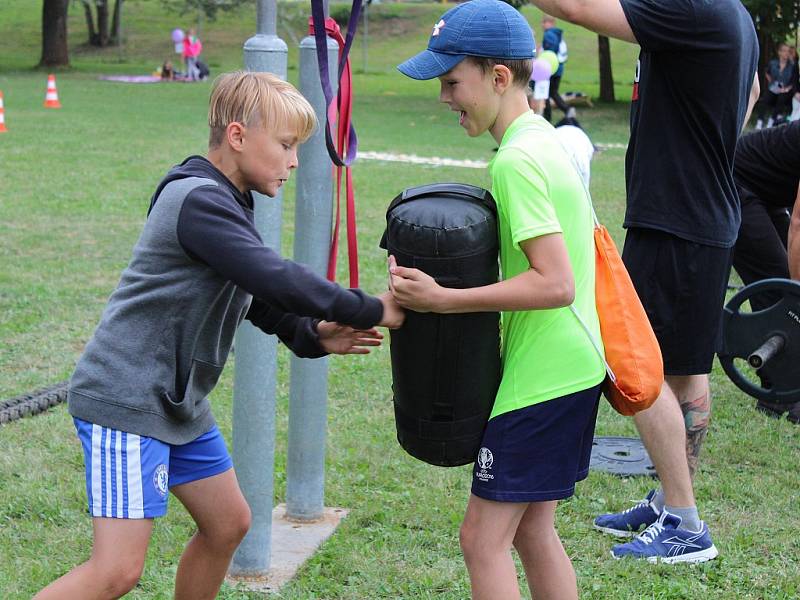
(694, 86)
(767, 175)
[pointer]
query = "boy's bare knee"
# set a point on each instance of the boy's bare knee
(241, 523)
(229, 531)
(118, 578)
(534, 535)
(469, 538)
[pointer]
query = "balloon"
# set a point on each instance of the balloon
(177, 35)
(552, 58)
(541, 70)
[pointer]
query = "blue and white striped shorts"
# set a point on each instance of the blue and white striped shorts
(128, 476)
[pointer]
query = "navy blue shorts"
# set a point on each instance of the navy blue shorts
(537, 453)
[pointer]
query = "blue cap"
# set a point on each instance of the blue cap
(487, 28)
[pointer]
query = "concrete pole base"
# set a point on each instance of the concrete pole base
(293, 542)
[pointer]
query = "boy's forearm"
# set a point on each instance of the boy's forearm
(794, 240)
(527, 291)
(213, 229)
(299, 334)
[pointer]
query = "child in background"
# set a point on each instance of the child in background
(192, 47)
(167, 71)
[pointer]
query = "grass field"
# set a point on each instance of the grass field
(74, 188)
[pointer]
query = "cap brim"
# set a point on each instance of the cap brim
(427, 64)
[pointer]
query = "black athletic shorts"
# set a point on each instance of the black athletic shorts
(682, 286)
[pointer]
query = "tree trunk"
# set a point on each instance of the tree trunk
(87, 12)
(54, 34)
(116, 35)
(606, 75)
(766, 44)
(102, 22)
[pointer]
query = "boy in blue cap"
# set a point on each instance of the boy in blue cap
(538, 440)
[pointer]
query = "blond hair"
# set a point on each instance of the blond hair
(257, 99)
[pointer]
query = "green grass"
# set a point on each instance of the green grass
(74, 188)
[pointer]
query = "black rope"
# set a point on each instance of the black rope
(33, 403)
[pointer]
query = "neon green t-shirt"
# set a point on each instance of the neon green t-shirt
(546, 353)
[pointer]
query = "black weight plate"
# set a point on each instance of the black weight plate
(621, 456)
(744, 332)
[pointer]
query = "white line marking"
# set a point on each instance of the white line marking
(438, 161)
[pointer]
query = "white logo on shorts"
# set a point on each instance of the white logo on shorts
(161, 479)
(485, 461)
(485, 458)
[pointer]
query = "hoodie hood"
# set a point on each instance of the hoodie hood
(199, 166)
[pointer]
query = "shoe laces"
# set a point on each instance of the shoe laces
(653, 531)
(640, 504)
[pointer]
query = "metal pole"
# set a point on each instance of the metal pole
(308, 395)
(256, 353)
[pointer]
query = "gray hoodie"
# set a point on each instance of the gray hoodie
(198, 268)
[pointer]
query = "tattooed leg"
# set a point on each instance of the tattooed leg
(696, 416)
(694, 398)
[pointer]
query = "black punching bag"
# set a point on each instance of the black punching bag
(445, 368)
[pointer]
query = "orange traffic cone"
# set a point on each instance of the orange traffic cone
(51, 99)
(2, 115)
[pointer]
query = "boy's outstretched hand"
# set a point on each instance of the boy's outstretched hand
(343, 339)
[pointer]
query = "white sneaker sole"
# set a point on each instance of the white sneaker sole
(693, 558)
(615, 532)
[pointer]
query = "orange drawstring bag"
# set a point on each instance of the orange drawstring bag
(633, 357)
(634, 366)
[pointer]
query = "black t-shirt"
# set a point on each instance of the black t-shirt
(693, 79)
(768, 164)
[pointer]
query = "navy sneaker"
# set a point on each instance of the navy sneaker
(664, 541)
(629, 522)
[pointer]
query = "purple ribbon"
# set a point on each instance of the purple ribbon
(320, 36)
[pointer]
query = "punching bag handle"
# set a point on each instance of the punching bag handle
(482, 196)
(462, 189)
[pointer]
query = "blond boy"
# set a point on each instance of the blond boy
(139, 392)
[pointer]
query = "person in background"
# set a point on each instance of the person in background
(777, 98)
(192, 47)
(167, 71)
(767, 175)
(553, 40)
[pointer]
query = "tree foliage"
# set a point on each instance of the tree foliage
(776, 21)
